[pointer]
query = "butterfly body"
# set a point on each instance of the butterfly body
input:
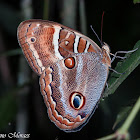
(73, 70)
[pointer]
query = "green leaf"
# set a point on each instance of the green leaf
(136, 1)
(122, 115)
(126, 67)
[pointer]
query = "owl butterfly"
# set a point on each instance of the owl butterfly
(73, 70)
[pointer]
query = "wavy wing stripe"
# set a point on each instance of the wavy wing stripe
(31, 61)
(39, 42)
(36, 57)
(31, 54)
(62, 123)
(55, 41)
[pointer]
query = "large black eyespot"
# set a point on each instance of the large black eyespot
(77, 100)
(69, 62)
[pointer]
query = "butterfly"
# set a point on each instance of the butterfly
(73, 70)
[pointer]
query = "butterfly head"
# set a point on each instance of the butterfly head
(106, 54)
(106, 47)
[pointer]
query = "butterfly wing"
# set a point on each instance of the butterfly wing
(72, 95)
(45, 42)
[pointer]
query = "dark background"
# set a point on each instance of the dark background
(21, 104)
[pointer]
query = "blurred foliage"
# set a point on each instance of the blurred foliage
(123, 132)
(11, 52)
(136, 1)
(9, 18)
(122, 115)
(7, 109)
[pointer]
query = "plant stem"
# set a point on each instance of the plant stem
(69, 18)
(46, 9)
(123, 131)
(131, 117)
(82, 14)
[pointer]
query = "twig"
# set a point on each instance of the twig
(122, 133)
(69, 18)
(82, 16)
(23, 77)
(46, 9)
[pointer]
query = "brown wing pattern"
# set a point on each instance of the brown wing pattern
(45, 42)
(88, 78)
(71, 66)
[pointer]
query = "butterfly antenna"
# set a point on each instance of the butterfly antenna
(96, 35)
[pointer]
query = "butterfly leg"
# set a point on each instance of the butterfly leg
(115, 55)
(115, 71)
(106, 84)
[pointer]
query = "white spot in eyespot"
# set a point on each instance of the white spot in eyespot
(66, 43)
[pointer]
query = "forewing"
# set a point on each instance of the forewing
(45, 42)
